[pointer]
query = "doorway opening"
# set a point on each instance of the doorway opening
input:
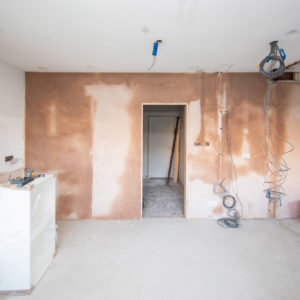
(164, 160)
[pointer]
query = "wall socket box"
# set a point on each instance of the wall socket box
(201, 144)
(9, 158)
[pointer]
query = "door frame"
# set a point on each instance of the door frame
(185, 105)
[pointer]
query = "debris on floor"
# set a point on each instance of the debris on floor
(162, 200)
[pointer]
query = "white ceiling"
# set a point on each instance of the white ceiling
(117, 35)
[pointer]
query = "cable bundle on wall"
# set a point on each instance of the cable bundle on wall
(272, 66)
(277, 166)
(230, 196)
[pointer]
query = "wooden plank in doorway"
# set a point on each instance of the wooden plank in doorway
(173, 148)
(176, 159)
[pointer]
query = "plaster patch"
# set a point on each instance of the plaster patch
(67, 189)
(194, 114)
(72, 216)
(242, 161)
(52, 119)
(202, 200)
(250, 188)
(111, 138)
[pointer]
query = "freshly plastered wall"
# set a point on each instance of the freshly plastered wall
(12, 111)
(87, 129)
(288, 99)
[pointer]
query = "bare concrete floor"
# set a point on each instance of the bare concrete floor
(161, 199)
(174, 259)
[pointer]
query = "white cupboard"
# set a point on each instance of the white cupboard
(27, 233)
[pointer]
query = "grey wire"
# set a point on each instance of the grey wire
(228, 223)
(154, 60)
(232, 199)
(234, 214)
(276, 164)
(233, 178)
(270, 62)
(220, 185)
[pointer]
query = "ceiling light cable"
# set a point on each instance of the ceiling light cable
(154, 53)
(154, 59)
(272, 66)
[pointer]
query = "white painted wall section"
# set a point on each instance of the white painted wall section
(12, 112)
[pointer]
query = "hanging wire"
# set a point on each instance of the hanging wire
(154, 60)
(154, 52)
(277, 166)
(235, 210)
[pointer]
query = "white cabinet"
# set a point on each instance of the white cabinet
(27, 233)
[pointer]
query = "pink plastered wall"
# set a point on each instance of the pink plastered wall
(87, 129)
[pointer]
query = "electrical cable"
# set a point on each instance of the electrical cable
(272, 66)
(220, 185)
(276, 164)
(228, 223)
(154, 53)
(277, 167)
(233, 214)
(154, 60)
(232, 199)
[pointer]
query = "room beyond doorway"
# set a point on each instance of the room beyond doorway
(163, 160)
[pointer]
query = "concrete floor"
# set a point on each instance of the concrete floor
(174, 259)
(162, 200)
